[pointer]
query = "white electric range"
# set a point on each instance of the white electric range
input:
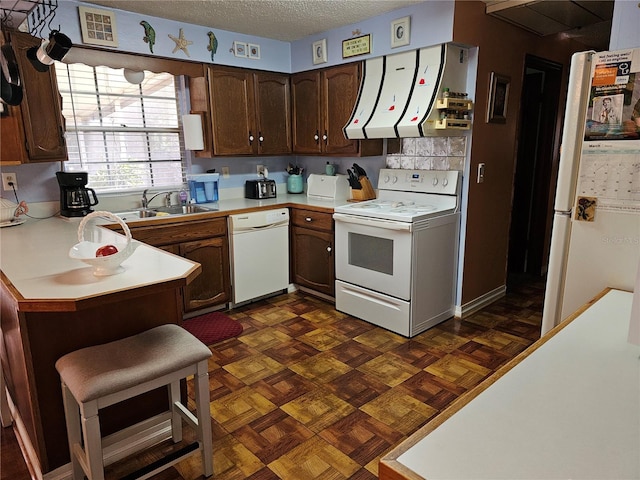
(396, 256)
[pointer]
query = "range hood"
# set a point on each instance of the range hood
(398, 92)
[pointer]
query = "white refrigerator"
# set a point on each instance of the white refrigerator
(595, 240)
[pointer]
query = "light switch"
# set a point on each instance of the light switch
(480, 172)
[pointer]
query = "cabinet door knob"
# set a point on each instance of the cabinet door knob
(316, 137)
(260, 138)
(324, 137)
(250, 138)
(308, 219)
(329, 249)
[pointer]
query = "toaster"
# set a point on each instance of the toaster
(262, 188)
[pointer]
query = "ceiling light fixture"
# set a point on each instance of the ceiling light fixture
(133, 77)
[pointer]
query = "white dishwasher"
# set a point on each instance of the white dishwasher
(259, 253)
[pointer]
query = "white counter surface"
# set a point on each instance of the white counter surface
(34, 255)
(35, 258)
(298, 199)
(569, 410)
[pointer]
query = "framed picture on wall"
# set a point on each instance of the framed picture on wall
(400, 32)
(498, 98)
(320, 51)
(254, 51)
(98, 27)
(240, 49)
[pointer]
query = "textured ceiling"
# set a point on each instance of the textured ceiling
(285, 20)
(587, 21)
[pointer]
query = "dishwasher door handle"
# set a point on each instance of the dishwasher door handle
(283, 223)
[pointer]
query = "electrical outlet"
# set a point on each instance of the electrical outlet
(225, 172)
(260, 169)
(9, 178)
(480, 172)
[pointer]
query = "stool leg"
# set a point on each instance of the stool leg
(176, 418)
(92, 440)
(201, 382)
(72, 419)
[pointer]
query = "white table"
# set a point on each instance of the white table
(569, 407)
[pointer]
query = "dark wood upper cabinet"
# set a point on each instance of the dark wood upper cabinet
(339, 95)
(232, 111)
(244, 112)
(273, 113)
(36, 126)
(306, 116)
(322, 102)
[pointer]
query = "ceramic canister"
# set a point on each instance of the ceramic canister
(295, 184)
(329, 169)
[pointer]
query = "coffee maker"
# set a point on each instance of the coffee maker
(76, 199)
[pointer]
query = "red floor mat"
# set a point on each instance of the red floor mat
(212, 327)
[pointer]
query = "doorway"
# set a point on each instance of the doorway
(532, 211)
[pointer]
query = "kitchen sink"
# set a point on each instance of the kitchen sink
(162, 211)
(181, 209)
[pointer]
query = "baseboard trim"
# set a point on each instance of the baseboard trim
(24, 441)
(315, 293)
(482, 301)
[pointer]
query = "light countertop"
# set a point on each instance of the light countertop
(35, 259)
(34, 256)
(228, 206)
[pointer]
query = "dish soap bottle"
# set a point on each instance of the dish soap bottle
(329, 169)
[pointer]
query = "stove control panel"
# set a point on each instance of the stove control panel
(425, 181)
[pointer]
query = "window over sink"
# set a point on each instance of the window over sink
(126, 136)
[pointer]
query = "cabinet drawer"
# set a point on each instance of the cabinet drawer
(311, 219)
(180, 232)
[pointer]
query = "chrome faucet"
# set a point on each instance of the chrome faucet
(145, 202)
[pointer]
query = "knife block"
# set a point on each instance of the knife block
(365, 193)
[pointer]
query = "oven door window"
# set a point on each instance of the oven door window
(372, 253)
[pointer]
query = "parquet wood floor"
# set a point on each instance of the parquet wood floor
(307, 392)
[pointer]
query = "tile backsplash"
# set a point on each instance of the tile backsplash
(428, 153)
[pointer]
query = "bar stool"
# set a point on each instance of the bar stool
(102, 375)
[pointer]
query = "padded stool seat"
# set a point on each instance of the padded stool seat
(99, 376)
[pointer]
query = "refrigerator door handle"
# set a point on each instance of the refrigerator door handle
(573, 131)
(558, 253)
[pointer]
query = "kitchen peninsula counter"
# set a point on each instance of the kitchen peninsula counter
(35, 261)
(52, 305)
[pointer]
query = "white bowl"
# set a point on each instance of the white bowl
(85, 251)
(7, 210)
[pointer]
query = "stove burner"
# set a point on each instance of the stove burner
(394, 206)
(416, 209)
(402, 204)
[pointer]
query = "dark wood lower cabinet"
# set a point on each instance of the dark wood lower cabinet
(312, 259)
(212, 287)
(203, 241)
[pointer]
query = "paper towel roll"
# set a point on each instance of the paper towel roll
(192, 129)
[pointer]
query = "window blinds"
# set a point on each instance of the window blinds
(126, 136)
